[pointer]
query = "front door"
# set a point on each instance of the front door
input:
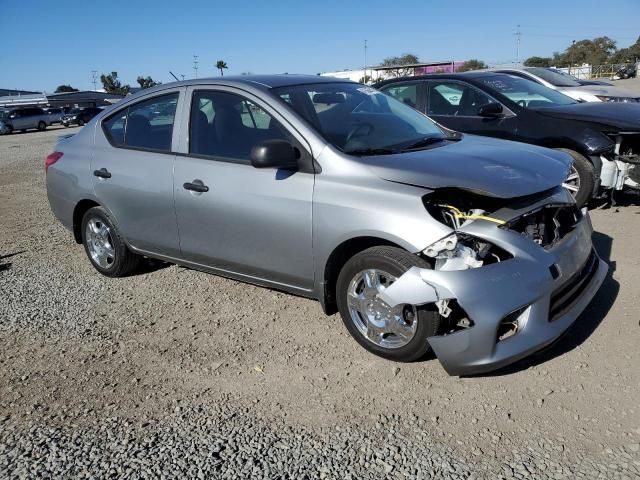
(255, 223)
(132, 171)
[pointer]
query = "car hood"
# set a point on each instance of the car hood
(497, 168)
(621, 116)
(602, 90)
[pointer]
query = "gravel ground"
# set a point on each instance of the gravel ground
(180, 374)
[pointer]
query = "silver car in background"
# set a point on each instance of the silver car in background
(422, 238)
(568, 86)
(23, 119)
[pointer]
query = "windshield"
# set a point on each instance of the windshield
(4, 114)
(526, 93)
(359, 119)
(552, 77)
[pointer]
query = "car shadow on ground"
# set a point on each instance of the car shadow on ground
(7, 265)
(586, 323)
(150, 265)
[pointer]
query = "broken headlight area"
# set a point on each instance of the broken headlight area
(548, 225)
(620, 167)
(460, 251)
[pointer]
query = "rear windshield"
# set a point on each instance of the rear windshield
(552, 77)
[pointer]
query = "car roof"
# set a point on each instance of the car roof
(471, 75)
(260, 81)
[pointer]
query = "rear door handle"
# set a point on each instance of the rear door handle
(102, 173)
(195, 187)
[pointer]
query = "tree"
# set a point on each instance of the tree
(594, 52)
(538, 62)
(404, 59)
(147, 82)
(627, 55)
(111, 84)
(472, 64)
(65, 88)
(366, 79)
(221, 65)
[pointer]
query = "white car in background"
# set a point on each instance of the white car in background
(568, 86)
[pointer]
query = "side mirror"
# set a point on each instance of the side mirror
(492, 109)
(274, 154)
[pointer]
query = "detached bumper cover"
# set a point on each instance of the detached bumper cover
(488, 294)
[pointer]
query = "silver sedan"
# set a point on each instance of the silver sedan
(420, 237)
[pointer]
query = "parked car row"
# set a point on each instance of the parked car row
(602, 138)
(420, 236)
(28, 118)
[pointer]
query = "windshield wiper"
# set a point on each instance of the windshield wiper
(371, 151)
(426, 141)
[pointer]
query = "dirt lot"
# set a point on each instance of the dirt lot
(195, 361)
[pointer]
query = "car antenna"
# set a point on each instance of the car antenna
(177, 79)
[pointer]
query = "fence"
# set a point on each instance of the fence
(586, 72)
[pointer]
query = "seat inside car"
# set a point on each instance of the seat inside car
(138, 132)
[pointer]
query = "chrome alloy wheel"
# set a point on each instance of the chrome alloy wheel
(382, 325)
(99, 243)
(572, 182)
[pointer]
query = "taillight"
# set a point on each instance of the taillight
(51, 159)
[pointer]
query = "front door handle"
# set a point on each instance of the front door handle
(195, 187)
(102, 173)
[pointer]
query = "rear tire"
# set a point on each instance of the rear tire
(391, 261)
(586, 177)
(80, 122)
(104, 245)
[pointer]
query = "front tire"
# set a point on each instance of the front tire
(42, 126)
(581, 179)
(104, 246)
(399, 333)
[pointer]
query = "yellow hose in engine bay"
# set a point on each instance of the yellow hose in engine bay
(458, 214)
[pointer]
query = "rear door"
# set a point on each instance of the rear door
(455, 104)
(132, 171)
(251, 222)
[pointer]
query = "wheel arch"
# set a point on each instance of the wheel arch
(78, 212)
(336, 260)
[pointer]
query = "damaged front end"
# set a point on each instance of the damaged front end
(494, 275)
(620, 165)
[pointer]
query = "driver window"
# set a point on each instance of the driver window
(455, 99)
(227, 125)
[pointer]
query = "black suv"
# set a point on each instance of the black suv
(603, 138)
(80, 116)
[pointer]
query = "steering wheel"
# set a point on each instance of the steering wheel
(360, 127)
(522, 103)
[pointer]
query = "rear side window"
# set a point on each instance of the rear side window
(406, 93)
(145, 125)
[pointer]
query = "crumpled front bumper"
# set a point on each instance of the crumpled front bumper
(490, 293)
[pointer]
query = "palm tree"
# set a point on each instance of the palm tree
(221, 65)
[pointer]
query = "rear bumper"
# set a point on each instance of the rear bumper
(491, 293)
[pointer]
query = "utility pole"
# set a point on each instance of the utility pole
(182, 75)
(365, 62)
(94, 77)
(518, 34)
(195, 64)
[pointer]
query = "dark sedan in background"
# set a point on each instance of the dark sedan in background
(80, 116)
(603, 138)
